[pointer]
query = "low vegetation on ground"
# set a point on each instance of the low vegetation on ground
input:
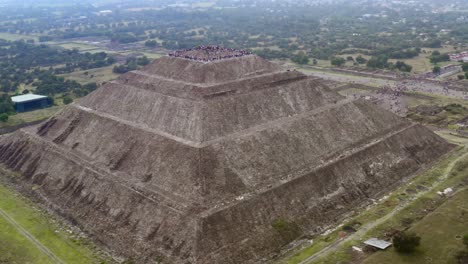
(418, 217)
(18, 216)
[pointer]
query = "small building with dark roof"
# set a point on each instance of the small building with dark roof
(28, 102)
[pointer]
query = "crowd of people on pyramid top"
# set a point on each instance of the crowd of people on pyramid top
(209, 53)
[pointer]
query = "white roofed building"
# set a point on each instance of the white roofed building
(27, 102)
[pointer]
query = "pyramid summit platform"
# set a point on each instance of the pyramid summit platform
(200, 161)
(209, 53)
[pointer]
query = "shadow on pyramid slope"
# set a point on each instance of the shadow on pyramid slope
(194, 159)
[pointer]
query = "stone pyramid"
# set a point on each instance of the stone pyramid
(214, 156)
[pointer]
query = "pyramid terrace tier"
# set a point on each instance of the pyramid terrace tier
(210, 73)
(198, 92)
(199, 121)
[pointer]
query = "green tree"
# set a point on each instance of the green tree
(151, 43)
(6, 105)
(380, 62)
(300, 58)
(67, 100)
(143, 61)
(400, 65)
(50, 100)
(439, 58)
(360, 59)
(3, 117)
(465, 66)
(436, 69)
(337, 61)
(406, 242)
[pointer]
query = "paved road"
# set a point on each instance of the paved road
(365, 228)
(31, 238)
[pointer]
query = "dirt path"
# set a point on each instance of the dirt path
(31, 238)
(365, 228)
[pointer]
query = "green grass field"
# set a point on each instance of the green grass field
(98, 75)
(13, 37)
(79, 46)
(31, 116)
(440, 235)
(15, 247)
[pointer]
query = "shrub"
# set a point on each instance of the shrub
(337, 61)
(67, 100)
(406, 242)
(465, 66)
(360, 60)
(349, 229)
(456, 109)
(462, 257)
(287, 230)
(50, 100)
(3, 117)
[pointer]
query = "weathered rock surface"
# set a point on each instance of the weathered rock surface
(194, 161)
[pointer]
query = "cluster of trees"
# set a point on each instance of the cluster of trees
(21, 54)
(437, 57)
(401, 66)
(151, 43)
(405, 54)
(300, 58)
(337, 61)
(50, 84)
(25, 63)
(400, 51)
(381, 62)
(293, 27)
(271, 54)
(124, 38)
(131, 64)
